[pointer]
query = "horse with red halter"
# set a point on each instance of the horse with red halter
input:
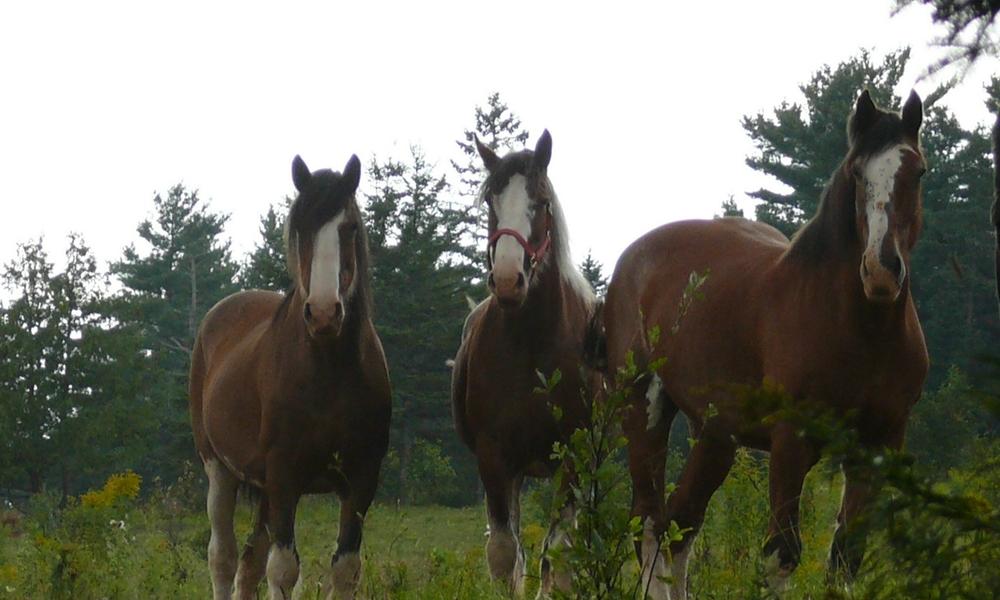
(290, 394)
(533, 322)
(828, 317)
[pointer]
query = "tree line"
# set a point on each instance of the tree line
(94, 361)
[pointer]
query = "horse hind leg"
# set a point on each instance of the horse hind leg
(253, 562)
(705, 470)
(647, 427)
(222, 544)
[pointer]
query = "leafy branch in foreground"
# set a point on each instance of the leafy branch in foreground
(603, 539)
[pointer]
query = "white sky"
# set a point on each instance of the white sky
(104, 103)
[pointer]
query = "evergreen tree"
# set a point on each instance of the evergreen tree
(802, 146)
(420, 278)
(730, 208)
(167, 291)
(266, 267)
(593, 272)
(497, 127)
(30, 357)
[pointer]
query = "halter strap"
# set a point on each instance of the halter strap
(537, 255)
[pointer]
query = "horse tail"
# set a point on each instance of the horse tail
(595, 341)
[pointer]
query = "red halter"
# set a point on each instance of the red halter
(537, 255)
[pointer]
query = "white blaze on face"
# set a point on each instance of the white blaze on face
(513, 211)
(324, 273)
(880, 179)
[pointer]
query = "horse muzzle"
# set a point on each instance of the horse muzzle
(509, 286)
(882, 282)
(324, 320)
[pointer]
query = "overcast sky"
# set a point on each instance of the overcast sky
(105, 103)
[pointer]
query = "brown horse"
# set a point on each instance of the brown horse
(828, 317)
(533, 322)
(290, 394)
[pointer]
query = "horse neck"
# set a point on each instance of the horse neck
(826, 255)
(545, 305)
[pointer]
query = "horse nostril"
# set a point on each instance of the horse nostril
(308, 312)
(520, 280)
(895, 265)
(338, 311)
(490, 282)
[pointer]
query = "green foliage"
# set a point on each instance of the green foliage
(730, 208)
(498, 128)
(421, 275)
(167, 290)
(800, 146)
(593, 272)
(266, 268)
(430, 469)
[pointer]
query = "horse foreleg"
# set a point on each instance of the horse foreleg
(283, 558)
(254, 558)
(503, 550)
(849, 540)
(647, 428)
(705, 470)
(791, 459)
(222, 544)
(345, 566)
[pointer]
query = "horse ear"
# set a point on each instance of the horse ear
(352, 173)
(864, 116)
(490, 158)
(913, 114)
(300, 173)
(543, 153)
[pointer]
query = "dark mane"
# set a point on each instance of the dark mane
(325, 198)
(831, 231)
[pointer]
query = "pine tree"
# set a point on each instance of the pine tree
(593, 272)
(167, 291)
(730, 208)
(800, 146)
(266, 267)
(497, 127)
(420, 278)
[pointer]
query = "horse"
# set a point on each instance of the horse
(533, 322)
(827, 318)
(290, 395)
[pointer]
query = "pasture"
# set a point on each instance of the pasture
(411, 552)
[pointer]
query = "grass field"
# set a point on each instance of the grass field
(113, 544)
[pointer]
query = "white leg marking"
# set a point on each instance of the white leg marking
(502, 554)
(282, 571)
(679, 571)
(654, 567)
(345, 574)
(222, 544)
(654, 402)
(777, 577)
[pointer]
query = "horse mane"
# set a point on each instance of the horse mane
(306, 215)
(831, 231)
(519, 163)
